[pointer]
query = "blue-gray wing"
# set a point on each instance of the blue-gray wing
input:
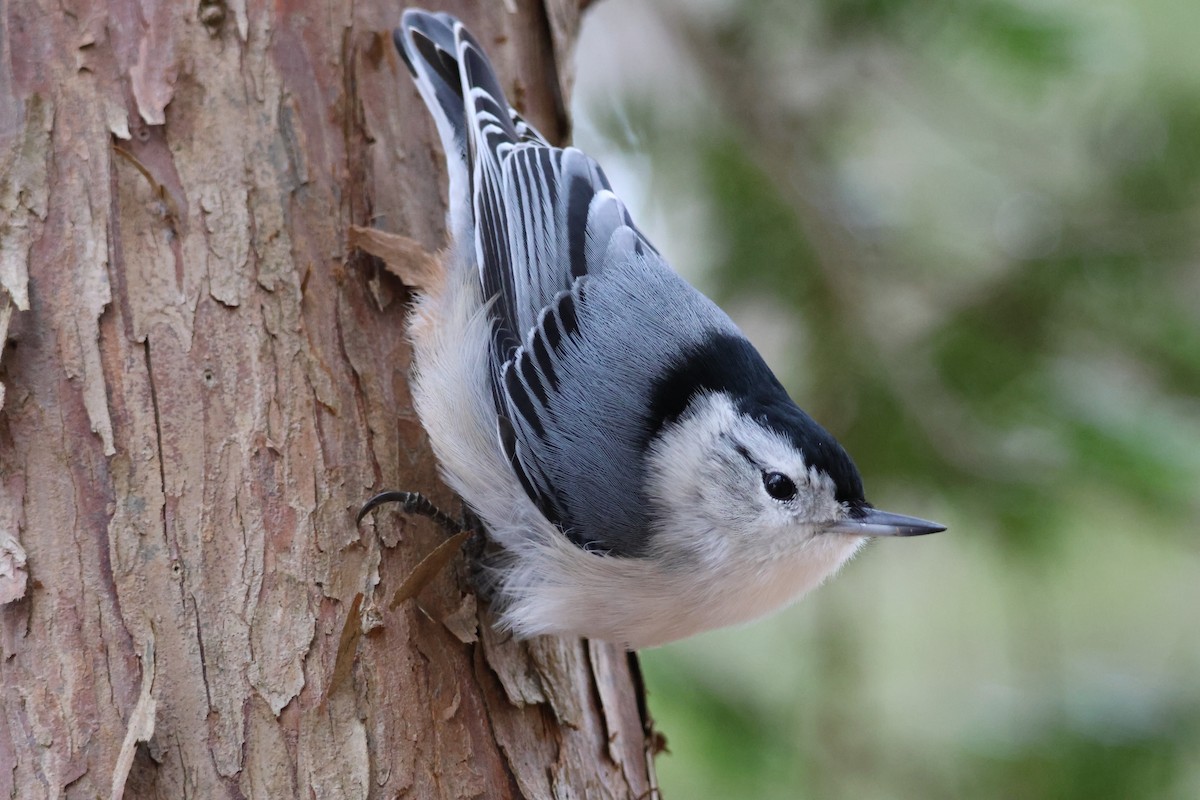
(579, 394)
(560, 218)
(585, 314)
(544, 216)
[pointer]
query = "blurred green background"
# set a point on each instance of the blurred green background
(967, 237)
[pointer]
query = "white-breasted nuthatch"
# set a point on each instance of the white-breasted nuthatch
(644, 473)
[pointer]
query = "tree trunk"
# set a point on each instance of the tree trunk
(202, 384)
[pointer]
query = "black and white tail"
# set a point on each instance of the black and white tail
(457, 82)
(535, 217)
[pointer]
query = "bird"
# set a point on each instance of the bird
(640, 472)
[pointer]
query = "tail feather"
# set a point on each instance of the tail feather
(457, 82)
(428, 43)
(487, 108)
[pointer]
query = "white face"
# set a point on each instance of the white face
(728, 488)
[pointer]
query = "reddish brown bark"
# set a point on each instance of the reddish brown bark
(202, 382)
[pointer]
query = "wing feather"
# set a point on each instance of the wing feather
(573, 291)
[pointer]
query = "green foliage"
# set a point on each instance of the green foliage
(981, 219)
(1082, 765)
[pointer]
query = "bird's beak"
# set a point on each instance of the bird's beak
(874, 522)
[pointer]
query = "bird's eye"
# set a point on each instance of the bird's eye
(779, 486)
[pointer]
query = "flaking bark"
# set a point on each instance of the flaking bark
(202, 380)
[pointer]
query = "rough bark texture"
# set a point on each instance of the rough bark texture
(202, 382)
